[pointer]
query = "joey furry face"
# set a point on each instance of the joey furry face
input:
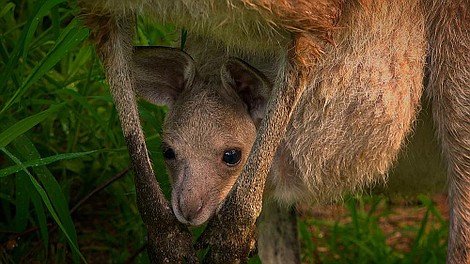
(210, 128)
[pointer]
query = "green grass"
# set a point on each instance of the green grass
(361, 234)
(65, 190)
(60, 139)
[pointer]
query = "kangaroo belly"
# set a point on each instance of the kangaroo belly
(235, 25)
(360, 105)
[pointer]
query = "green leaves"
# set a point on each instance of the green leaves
(33, 43)
(43, 161)
(23, 44)
(72, 35)
(24, 125)
(371, 232)
(51, 195)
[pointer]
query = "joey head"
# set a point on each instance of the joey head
(209, 129)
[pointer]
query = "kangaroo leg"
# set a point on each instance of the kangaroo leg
(168, 240)
(449, 88)
(277, 234)
(230, 233)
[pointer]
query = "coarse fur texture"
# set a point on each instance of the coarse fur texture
(449, 90)
(353, 70)
(343, 135)
(359, 107)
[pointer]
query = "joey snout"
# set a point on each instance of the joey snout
(194, 205)
(188, 207)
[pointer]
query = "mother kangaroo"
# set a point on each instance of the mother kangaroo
(356, 68)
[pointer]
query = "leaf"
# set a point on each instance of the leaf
(28, 152)
(24, 125)
(91, 110)
(72, 35)
(21, 47)
(40, 213)
(23, 197)
(26, 189)
(44, 161)
(7, 8)
(47, 202)
(42, 11)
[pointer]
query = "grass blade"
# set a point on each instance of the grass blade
(44, 161)
(26, 194)
(7, 8)
(47, 202)
(28, 151)
(42, 11)
(24, 125)
(23, 197)
(21, 47)
(72, 35)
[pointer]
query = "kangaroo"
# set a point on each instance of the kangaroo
(356, 70)
(212, 123)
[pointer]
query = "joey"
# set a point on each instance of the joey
(209, 129)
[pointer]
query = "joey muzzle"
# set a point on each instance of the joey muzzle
(190, 207)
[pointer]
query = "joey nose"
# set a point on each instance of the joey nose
(191, 209)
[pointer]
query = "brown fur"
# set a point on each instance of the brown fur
(343, 135)
(355, 69)
(374, 83)
(448, 87)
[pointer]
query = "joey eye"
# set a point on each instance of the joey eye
(168, 153)
(232, 157)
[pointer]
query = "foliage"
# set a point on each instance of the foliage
(359, 236)
(60, 139)
(61, 144)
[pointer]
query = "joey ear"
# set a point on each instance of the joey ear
(162, 73)
(250, 85)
